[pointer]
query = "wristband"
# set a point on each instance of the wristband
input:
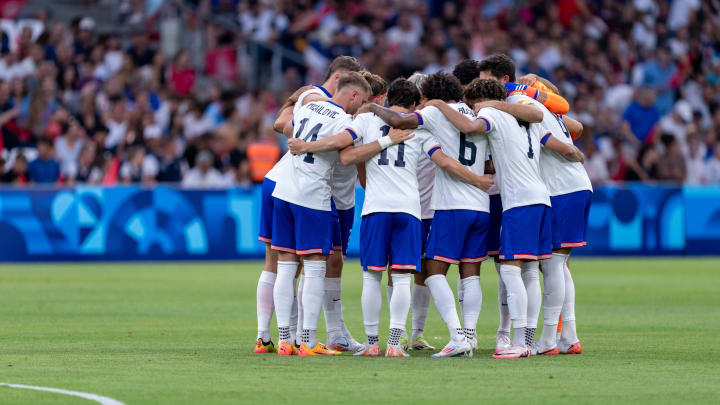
(385, 141)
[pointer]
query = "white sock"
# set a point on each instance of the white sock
(504, 312)
(531, 278)
(371, 300)
(400, 302)
(472, 304)
(265, 304)
(332, 308)
(313, 293)
(283, 293)
(420, 304)
(299, 326)
(460, 292)
(569, 331)
(294, 313)
(445, 304)
(553, 297)
(388, 293)
(516, 295)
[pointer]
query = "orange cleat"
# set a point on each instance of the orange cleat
(318, 350)
(263, 347)
(285, 348)
(395, 351)
(369, 351)
(575, 348)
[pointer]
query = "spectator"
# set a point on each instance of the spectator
(18, 174)
(203, 175)
(262, 155)
(182, 76)
(595, 164)
(695, 163)
(671, 166)
(86, 170)
(44, 169)
(133, 170)
(68, 147)
(641, 116)
(713, 166)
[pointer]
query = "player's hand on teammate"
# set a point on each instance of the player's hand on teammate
(483, 183)
(363, 109)
(297, 146)
(400, 135)
(488, 103)
(433, 103)
(294, 97)
(528, 79)
(575, 155)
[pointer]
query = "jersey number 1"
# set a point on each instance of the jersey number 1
(310, 137)
(384, 161)
(526, 125)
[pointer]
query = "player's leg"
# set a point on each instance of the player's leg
(569, 342)
(347, 219)
(421, 298)
(374, 241)
(444, 247)
(332, 307)
(474, 252)
(313, 233)
(530, 274)
(266, 282)
(284, 291)
(502, 338)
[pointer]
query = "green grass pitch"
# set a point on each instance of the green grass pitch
(183, 333)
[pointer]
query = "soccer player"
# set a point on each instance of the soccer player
(570, 191)
(302, 215)
(526, 220)
(265, 305)
(459, 225)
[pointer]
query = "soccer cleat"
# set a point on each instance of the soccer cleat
(263, 347)
(285, 348)
(513, 352)
(564, 348)
(344, 344)
(539, 351)
(421, 344)
(453, 349)
(473, 342)
(395, 351)
(368, 351)
(502, 342)
(404, 343)
(318, 350)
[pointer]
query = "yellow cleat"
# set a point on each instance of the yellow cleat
(318, 350)
(285, 348)
(263, 347)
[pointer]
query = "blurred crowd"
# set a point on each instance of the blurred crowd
(178, 100)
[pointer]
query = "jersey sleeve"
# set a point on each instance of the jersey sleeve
(356, 128)
(487, 115)
(430, 145)
(428, 118)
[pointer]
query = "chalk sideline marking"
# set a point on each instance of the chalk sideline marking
(92, 397)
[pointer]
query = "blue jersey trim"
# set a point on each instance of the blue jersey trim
(489, 127)
(336, 105)
(352, 133)
(420, 119)
(433, 150)
(327, 93)
(545, 138)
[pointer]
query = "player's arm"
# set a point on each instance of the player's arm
(285, 114)
(457, 170)
(553, 102)
(538, 82)
(298, 146)
(394, 118)
(574, 127)
(288, 130)
(459, 121)
(357, 154)
(568, 151)
(525, 112)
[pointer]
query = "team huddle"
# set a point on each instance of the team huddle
(456, 168)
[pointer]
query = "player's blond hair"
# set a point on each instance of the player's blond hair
(353, 79)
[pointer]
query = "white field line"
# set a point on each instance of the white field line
(92, 397)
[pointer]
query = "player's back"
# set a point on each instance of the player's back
(391, 183)
(308, 183)
(560, 176)
(515, 153)
(448, 192)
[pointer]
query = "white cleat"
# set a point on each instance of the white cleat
(513, 352)
(502, 342)
(454, 349)
(395, 351)
(342, 343)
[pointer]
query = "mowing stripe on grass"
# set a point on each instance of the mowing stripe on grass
(92, 397)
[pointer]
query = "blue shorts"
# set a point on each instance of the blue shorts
(570, 218)
(458, 236)
(301, 230)
(266, 211)
(393, 236)
(425, 232)
(493, 238)
(526, 233)
(342, 228)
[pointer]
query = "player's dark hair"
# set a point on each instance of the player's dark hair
(484, 89)
(353, 79)
(403, 93)
(442, 86)
(467, 71)
(498, 65)
(377, 83)
(343, 64)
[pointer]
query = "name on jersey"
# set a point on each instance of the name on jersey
(319, 109)
(465, 110)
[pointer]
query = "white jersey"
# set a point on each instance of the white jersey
(448, 192)
(560, 176)
(308, 182)
(343, 185)
(426, 178)
(391, 183)
(493, 190)
(282, 167)
(516, 156)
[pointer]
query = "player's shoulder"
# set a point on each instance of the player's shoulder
(519, 98)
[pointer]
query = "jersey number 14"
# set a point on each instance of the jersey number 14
(310, 137)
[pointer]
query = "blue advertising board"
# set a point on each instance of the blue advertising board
(168, 223)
